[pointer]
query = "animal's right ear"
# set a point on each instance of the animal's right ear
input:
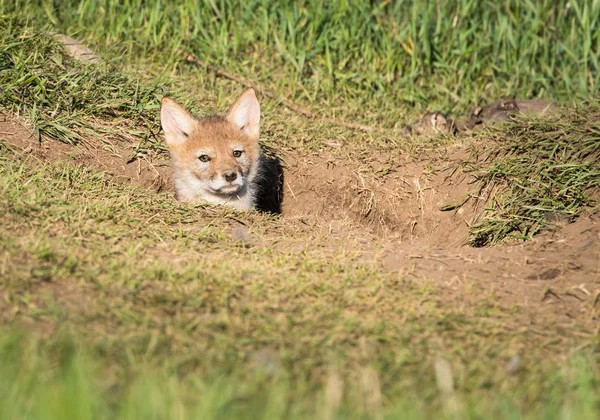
(176, 122)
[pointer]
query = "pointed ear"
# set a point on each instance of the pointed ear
(245, 114)
(176, 122)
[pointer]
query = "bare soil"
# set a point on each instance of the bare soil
(394, 221)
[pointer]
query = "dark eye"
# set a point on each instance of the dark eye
(204, 158)
(237, 153)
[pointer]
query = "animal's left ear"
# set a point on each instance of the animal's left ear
(245, 114)
(176, 122)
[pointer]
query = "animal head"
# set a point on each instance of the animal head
(215, 155)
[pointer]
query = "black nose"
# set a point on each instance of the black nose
(229, 176)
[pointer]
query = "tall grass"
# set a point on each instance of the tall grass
(405, 52)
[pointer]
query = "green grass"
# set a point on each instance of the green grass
(359, 59)
(537, 172)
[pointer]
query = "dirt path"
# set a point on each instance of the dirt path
(395, 221)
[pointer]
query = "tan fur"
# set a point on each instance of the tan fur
(218, 139)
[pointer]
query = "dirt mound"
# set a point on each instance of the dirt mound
(403, 205)
(151, 170)
(394, 218)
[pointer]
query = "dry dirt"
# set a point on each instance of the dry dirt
(395, 221)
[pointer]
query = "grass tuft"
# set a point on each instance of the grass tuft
(68, 100)
(537, 172)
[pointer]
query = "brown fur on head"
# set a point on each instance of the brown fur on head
(215, 159)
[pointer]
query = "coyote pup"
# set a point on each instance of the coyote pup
(215, 159)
